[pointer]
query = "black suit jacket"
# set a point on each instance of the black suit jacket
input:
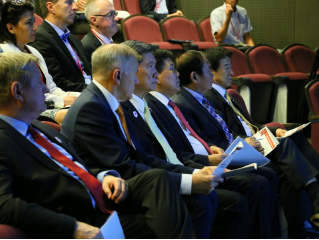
(230, 117)
(202, 122)
(164, 118)
(148, 6)
(61, 65)
(97, 138)
(35, 193)
(148, 139)
(90, 43)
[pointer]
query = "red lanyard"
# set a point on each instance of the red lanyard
(158, 3)
(77, 60)
(97, 36)
(28, 50)
(237, 34)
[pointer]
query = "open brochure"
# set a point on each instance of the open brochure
(247, 155)
(112, 228)
(231, 155)
(247, 168)
(267, 140)
(292, 131)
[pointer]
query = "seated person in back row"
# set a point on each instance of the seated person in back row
(47, 191)
(230, 24)
(160, 9)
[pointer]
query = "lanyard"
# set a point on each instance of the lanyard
(97, 36)
(237, 34)
(158, 4)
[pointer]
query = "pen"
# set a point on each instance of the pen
(258, 139)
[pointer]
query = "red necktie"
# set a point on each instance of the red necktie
(181, 117)
(90, 182)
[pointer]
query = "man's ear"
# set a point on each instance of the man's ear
(50, 7)
(193, 77)
(17, 91)
(93, 20)
(117, 76)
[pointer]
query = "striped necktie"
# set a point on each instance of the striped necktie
(211, 110)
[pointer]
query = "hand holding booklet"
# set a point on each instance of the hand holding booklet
(267, 140)
(292, 131)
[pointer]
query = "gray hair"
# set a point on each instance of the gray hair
(109, 57)
(91, 9)
(14, 67)
(140, 47)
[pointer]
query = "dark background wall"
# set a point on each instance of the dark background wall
(275, 22)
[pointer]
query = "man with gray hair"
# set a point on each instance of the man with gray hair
(102, 18)
(46, 189)
(102, 134)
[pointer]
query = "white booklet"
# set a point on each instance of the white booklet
(247, 168)
(247, 155)
(231, 155)
(292, 131)
(112, 228)
(267, 140)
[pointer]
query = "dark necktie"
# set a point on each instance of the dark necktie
(183, 120)
(120, 112)
(211, 110)
(90, 181)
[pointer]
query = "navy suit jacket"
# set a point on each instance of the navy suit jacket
(230, 117)
(61, 65)
(36, 193)
(148, 140)
(164, 118)
(202, 122)
(90, 44)
(96, 136)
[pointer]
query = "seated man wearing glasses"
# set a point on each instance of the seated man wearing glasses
(102, 18)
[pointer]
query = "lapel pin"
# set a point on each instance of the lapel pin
(135, 114)
(58, 139)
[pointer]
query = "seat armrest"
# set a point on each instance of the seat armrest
(279, 79)
(314, 119)
(241, 81)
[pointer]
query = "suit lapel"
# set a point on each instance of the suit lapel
(191, 99)
(94, 39)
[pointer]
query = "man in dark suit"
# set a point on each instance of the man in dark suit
(287, 161)
(106, 138)
(160, 9)
(45, 189)
(102, 18)
(63, 52)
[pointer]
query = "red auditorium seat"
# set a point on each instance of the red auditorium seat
(118, 5)
(142, 28)
(9, 232)
(265, 59)
(56, 126)
(298, 58)
(181, 28)
(312, 94)
(262, 88)
(38, 19)
(205, 30)
(132, 6)
(236, 96)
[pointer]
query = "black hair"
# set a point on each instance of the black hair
(140, 47)
(161, 55)
(215, 55)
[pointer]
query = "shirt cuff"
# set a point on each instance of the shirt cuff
(101, 175)
(186, 184)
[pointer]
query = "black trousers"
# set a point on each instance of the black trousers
(154, 209)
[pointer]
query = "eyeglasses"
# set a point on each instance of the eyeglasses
(109, 15)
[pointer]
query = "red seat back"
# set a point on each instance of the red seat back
(178, 27)
(132, 6)
(236, 96)
(205, 30)
(38, 19)
(298, 58)
(117, 5)
(142, 28)
(265, 59)
(239, 62)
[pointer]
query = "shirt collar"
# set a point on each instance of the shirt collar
(160, 97)
(18, 125)
(196, 95)
(138, 103)
(220, 90)
(58, 30)
(114, 104)
(105, 39)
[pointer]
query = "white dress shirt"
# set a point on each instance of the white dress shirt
(197, 146)
(72, 51)
(103, 39)
(162, 7)
(222, 92)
